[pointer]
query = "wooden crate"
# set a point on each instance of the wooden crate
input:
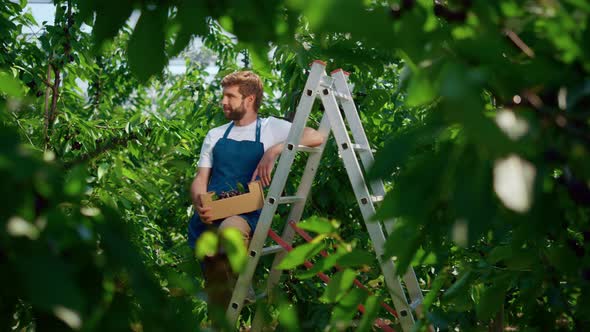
(227, 207)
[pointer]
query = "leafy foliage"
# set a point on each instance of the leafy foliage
(478, 110)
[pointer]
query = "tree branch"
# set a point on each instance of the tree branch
(51, 111)
(519, 43)
(443, 11)
(48, 90)
(55, 96)
(110, 145)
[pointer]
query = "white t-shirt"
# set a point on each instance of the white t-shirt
(272, 131)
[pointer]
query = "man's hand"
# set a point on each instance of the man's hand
(199, 187)
(266, 164)
(204, 212)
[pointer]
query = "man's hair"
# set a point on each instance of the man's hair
(248, 84)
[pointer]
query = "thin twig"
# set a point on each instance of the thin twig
(46, 108)
(47, 83)
(24, 131)
(105, 127)
(560, 119)
(51, 112)
(55, 96)
(519, 43)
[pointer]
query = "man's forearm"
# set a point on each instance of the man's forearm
(311, 137)
(198, 187)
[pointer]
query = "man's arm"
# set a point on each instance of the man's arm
(310, 137)
(198, 187)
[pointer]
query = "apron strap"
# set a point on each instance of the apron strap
(228, 129)
(258, 130)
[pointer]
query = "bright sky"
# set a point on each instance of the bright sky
(44, 11)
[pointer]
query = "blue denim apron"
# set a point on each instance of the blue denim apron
(233, 162)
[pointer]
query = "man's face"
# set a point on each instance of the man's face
(233, 103)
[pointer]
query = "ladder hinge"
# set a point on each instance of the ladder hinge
(327, 82)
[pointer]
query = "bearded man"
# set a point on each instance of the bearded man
(239, 151)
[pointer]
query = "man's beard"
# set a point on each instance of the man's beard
(236, 114)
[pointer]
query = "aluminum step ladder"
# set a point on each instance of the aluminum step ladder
(333, 92)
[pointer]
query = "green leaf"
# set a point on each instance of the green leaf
(346, 308)
(241, 188)
(514, 259)
(10, 85)
(424, 258)
(318, 225)
(473, 200)
(403, 242)
(124, 171)
(371, 312)
(499, 253)
(300, 254)
(75, 182)
(323, 264)
(288, 317)
(491, 298)
(421, 90)
(191, 17)
(232, 241)
(206, 245)
(146, 46)
(150, 188)
(111, 15)
(401, 146)
(357, 257)
(563, 259)
(259, 57)
(437, 285)
(57, 286)
(460, 287)
(102, 169)
(338, 286)
(580, 4)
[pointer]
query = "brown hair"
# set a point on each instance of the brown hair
(248, 84)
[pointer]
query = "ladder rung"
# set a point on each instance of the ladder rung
(271, 249)
(376, 199)
(304, 148)
(261, 296)
(255, 298)
(290, 199)
(359, 147)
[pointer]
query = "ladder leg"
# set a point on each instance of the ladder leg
(294, 215)
(367, 209)
(276, 188)
(297, 210)
(410, 280)
(367, 159)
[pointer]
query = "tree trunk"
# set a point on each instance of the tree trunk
(497, 324)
